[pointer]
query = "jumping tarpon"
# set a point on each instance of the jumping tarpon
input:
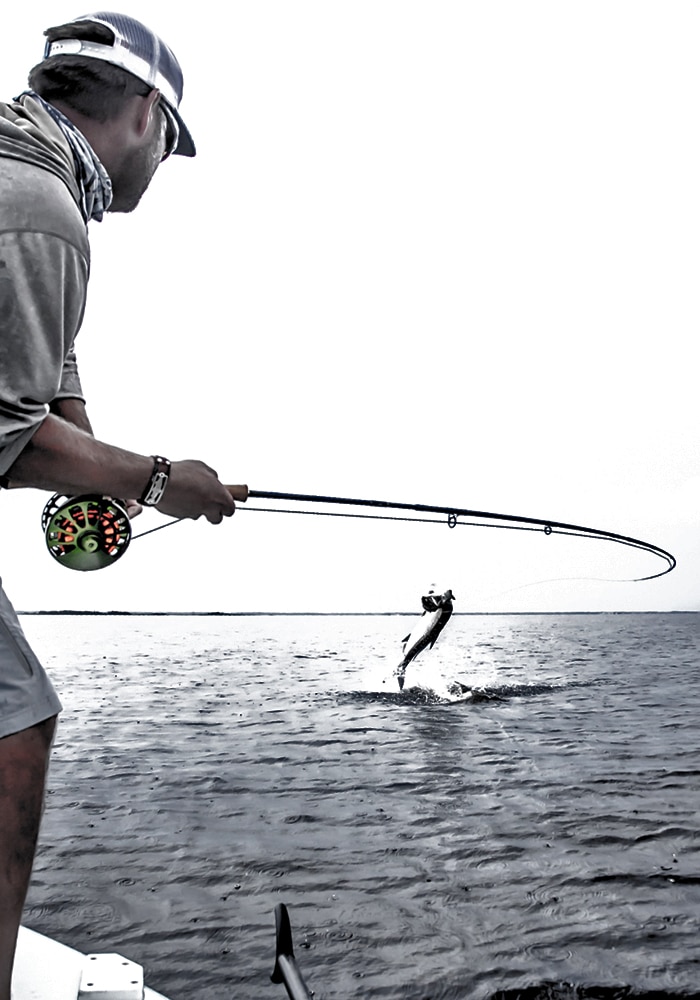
(436, 614)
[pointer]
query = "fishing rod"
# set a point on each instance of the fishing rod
(90, 532)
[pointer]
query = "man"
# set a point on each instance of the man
(101, 115)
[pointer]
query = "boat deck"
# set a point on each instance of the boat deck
(47, 970)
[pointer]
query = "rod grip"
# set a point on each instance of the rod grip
(239, 493)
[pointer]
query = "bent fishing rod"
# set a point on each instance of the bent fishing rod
(91, 532)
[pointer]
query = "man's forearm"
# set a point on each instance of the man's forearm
(62, 458)
(65, 458)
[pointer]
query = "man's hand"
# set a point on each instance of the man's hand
(194, 489)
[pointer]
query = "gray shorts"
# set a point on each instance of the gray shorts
(26, 693)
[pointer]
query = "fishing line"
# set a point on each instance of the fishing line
(369, 517)
(91, 532)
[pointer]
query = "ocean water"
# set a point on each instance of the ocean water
(536, 836)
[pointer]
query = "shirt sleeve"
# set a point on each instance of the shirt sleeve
(70, 387)
(43, 282)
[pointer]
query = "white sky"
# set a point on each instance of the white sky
(439, 252)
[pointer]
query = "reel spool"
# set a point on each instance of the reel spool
(85, 532)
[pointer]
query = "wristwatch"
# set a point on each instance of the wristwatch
(155, 488)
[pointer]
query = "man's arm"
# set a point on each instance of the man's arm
(72, 410)
(63, 458)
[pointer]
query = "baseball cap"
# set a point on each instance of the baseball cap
(126, 42)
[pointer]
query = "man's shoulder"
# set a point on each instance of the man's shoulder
(38, 189)
(35, 200)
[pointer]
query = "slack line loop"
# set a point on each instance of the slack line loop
(66, 536)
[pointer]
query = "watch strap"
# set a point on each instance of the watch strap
(155, 488)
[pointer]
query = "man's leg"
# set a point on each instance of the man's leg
(24, 759)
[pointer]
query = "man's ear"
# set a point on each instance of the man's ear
(146, 109)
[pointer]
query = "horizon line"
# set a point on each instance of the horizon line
(413, 614)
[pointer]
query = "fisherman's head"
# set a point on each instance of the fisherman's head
(121, 85)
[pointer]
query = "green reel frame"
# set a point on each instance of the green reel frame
(85, 532)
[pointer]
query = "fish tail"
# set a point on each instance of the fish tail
(400, 674)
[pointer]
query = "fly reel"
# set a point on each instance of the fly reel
(85, 532)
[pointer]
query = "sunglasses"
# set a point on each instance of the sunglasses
(172, 131)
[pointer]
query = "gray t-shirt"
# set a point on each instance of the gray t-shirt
(44, 270)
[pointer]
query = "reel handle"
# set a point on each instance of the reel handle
(239, 493)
